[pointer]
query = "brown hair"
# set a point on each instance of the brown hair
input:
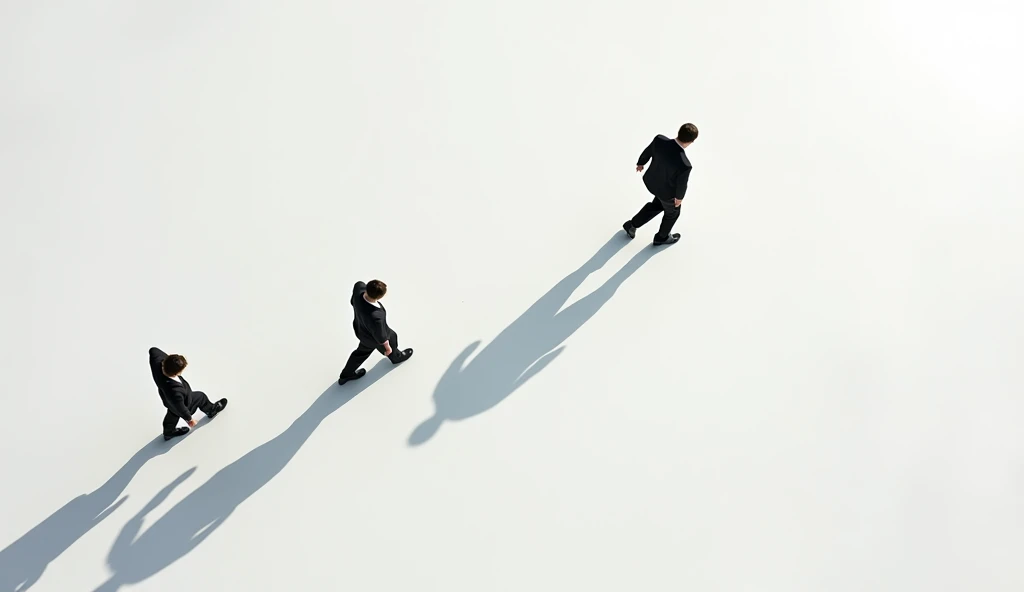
(376, 289)
(174, 364)
(687, 133)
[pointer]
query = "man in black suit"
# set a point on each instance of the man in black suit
(177, 395)
(666, 180)
(371, 327)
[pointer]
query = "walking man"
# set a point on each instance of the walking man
(177, 395)
(666, 180)
(371, 327)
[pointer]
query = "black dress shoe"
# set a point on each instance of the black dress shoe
(673, 238)
(176, 433)
(630, 231)
(406, 354)
(359, 374)
(218, 407)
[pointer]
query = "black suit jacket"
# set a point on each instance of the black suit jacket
(173, 394)
(669, 173)
(370, 322)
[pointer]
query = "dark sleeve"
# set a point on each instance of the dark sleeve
(176, 400)
(378, 329)
(646, 155)
(681, 181)
(359, 286)
(156, 360)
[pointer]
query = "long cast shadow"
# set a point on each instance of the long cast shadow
(525, 347)
(137, 556)
(25, 560)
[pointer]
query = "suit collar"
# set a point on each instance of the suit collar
(362, 297)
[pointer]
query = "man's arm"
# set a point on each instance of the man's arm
(646, 155)
(156, 355)
(156, 360)
(681, 182)
(176, 399)
(378, 329)
(359, 286)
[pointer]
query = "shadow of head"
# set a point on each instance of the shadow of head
(138, 555)
(527, 346)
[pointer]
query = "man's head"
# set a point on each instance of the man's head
(687, 134)
(376, 289)
(173, 365)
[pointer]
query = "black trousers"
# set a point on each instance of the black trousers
(653, 208)
(363, 351)
(197, 401)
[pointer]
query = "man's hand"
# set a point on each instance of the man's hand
(639, 167)
(192, 423)
(679, 202)
(387, 348)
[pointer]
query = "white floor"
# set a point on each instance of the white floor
(818, 389)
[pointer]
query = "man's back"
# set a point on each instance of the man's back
(668, 174)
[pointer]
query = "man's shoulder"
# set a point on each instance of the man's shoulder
(165, 385)
(361, 306)
(171, 384)
(666, 146)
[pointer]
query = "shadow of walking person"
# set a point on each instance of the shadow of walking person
(137, 556)
(23, 562)
(525, 347)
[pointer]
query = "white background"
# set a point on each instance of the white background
(818, 389)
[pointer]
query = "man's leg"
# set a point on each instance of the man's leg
(170, 422)
(198, 401)
(201, 402)
(171, 429)
(646, 213)
(397, 355)
(664, 234)
(361, 353)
